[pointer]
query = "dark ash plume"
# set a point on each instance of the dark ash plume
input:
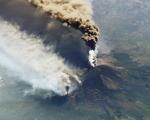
(76, 14)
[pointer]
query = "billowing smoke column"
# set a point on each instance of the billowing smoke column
(76, 14)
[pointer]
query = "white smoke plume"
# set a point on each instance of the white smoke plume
(93, 57)
(26, 57)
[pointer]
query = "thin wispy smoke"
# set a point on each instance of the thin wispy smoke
(26, 57)
(74, 13)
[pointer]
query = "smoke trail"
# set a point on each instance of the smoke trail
(74, 13)
(26, 57)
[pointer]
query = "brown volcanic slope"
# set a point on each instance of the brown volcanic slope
(74, 13)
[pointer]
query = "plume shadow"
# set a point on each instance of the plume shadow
(66, 41)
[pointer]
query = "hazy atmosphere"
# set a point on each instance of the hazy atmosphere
(74, 60)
